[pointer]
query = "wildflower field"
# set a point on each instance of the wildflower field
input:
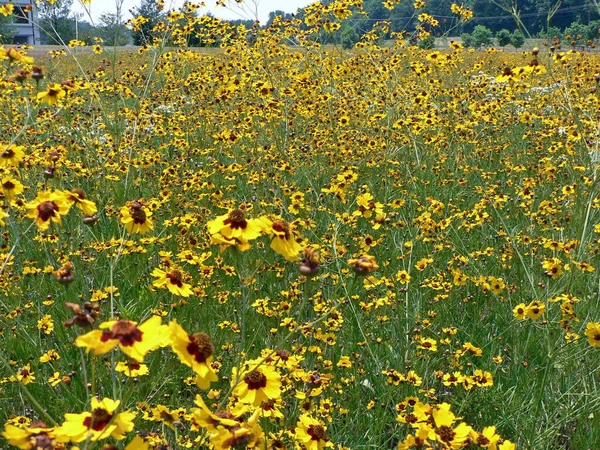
(299, 247)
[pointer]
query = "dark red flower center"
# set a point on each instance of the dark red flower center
(137, 213)
(446, 433)
(125, 331)
(175, 277)
(269, 405)
(47, 210)
(482, 440)
(255, 380)
(79, 194)
(134, 365)
(98, 420)
(317, 433)
(236, 219)
(280, 226)
(200, 347)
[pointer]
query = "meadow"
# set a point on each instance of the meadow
(299, 247)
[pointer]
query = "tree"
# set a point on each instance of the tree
(150, 10)
(503, 37)
(481, 35)
(7, 30)
(112, 30)
(56, 24)
(349, 37)
(517, 39)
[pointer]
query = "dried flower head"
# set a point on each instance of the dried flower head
(309, 266)
(64, 275)
(84, 316)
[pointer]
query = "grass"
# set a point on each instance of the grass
(426, 161)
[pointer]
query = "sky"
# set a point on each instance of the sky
(249, 9)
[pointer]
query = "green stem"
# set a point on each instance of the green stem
(28, 394)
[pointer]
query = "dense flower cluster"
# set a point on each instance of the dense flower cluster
(269, 244)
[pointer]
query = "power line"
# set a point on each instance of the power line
(485, 18)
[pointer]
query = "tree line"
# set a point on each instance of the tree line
(527, 18)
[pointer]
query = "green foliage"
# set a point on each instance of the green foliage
(551, 33)
(57, 26)
(503, 37)
(580, 34)
(467, 40)
(349, 37)
(151, 10)
(577, 33)
(517, 39)
(481, 35)
(7, 30)
(113, 30)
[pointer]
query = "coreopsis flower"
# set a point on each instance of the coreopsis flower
(520, 311)
(50, 355)
(135, 341)
(283, 240)
(52, 95)
(100, 423)
(169, 417)
(450, 437)
(403, 277)
(311, 433)
(241, 243)
(535, 309)
(11, 155)
(235, 225)
(463, 13)
(132, 368)
(136, 217)
(7, 9)
(554, 267)
(46, 324)
(420, 438)
(11, 187)
(15, 55)
(205, 418)
(487, 438)
(24, 375)
(36, 436)
(309, 266)
(482, 379)
(256, 382)
(77, 197)
(364, 265)
(3, 215)
(46, 208)
(247, 434)
(172, 279)
(592, 331)
(195, 351)
(272, 408)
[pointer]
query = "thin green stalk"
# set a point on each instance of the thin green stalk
(28, 394)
